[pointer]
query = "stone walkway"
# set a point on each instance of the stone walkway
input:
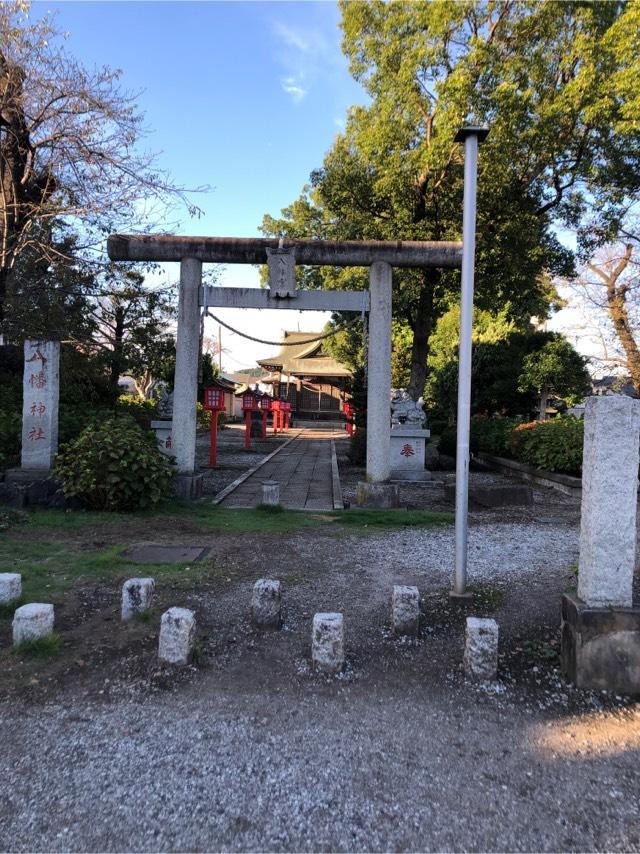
(304, 469)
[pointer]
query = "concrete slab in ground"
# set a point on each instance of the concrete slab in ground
(150, 553)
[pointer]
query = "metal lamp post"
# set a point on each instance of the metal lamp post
(471, 136)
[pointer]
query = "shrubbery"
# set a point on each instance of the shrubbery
(203, 417)
(139, 408)
(448, 439)
(114, 465)
(492, 435)
(10, 431)
(554, 445)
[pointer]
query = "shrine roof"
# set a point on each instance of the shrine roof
(301, 356)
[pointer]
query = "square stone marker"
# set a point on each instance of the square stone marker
(164, 554)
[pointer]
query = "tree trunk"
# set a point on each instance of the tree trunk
(544, 398)
(618, 311)
(422, 328)
(117, 358)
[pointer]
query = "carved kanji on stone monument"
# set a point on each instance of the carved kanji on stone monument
(40, 404)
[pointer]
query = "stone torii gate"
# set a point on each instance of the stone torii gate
(282, 256)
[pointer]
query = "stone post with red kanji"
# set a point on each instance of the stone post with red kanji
(41, 389)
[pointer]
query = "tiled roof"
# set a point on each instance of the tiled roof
(304, 357)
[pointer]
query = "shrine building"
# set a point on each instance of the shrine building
(315, 384)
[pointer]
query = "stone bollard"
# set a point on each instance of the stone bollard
(405, 610)
(481, 648)
(327, 643)
(137, 597)
(31, 622)
(10, 587)
(271, 493)
(266, 603)
(177, 633)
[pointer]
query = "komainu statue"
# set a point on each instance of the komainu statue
(406, 412)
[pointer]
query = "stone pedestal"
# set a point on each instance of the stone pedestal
(189, 486)
(177, 635)
(405, 610)
(10, 587)
(164, 435)
(137, 597)
(407, 454)
(481, 648)
(31, 622)
(378, 496)
(601, 646)
(41, 388)
(270, 493)
(327, 642)
(266, 604)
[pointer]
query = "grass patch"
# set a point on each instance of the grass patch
(45, 647)
(52, 552)
(49, 569)
(270, 508)
(390, 519)
(205, 517)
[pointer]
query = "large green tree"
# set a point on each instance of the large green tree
(551, 80)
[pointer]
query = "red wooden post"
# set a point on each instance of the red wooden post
(247, 430)
(213, 444)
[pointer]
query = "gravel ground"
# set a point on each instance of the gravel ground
(249, 750)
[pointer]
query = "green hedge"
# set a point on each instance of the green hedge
(554, 445)
(494, 434)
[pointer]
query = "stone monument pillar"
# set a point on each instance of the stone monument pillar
(41, 390)
(163, 425)
(600, 627)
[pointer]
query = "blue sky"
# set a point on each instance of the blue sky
(243, 96)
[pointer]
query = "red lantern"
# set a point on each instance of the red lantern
(249, 402)
(213, 403)
(213, 398)
(264, 404)
(249, 405)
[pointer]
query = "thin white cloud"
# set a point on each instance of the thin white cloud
(293, 88)
(307, 53)
(292, 37)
